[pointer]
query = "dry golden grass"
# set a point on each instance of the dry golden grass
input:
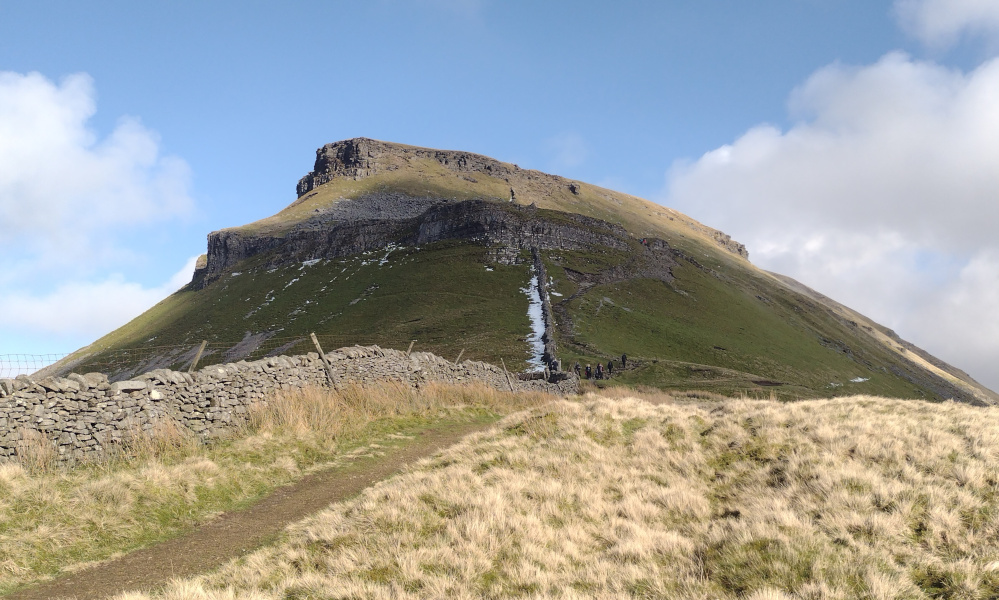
(619, 498)
(54, 518)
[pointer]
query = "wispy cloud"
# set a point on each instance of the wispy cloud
(85, 308)
(882, 195)
(943, 22)
(567, 149)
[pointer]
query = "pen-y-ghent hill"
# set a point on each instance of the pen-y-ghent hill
(388, 243)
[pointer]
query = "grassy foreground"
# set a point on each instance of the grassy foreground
(54, 519)
(857, 497)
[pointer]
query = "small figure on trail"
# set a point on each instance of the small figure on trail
(610, 367)
(589, 371)
(554, 365)
(624, 361)
(577, 369)
(600, 371)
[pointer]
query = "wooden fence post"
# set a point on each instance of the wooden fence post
(410, 347)
(197, 356)
(457, 360)
(326, 361)
(507, 373)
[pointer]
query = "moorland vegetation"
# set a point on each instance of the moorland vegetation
(617, 494)
(857, 497)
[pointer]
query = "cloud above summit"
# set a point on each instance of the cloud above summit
(884, 189)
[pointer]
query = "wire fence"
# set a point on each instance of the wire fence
(12, 365)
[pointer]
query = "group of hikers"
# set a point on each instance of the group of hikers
(599, 372)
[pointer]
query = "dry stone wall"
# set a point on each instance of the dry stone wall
(85, 415)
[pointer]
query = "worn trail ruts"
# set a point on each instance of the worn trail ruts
(240, 532)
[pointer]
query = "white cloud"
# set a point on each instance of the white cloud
(91, 309)
(63, 191)
(567, 149)
(964, 313)
(883, 195)
(69, 201)
(942, 22)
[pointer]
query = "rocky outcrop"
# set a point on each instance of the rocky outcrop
(83, 416)
(484, 222)
(361, 157)
(725, 241)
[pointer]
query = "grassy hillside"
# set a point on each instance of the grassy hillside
(827, 499)
(719, 323)
(714, 329)
(446, 296)
(711, 329)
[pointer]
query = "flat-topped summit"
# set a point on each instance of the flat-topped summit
(361, 157)
(361, 167)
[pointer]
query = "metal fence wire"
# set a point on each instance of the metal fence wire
(12, 365)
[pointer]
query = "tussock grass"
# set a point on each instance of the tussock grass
(54, 518)
(860, 497)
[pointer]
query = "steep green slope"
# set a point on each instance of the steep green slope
(446, 296)
(713, 331)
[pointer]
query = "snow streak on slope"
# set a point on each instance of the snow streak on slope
(534, 313)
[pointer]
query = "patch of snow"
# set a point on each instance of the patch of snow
(389, 249)
(554, 293)
(309, 263)
(291, 282)
(860, 379)
(489, 268)
(236, 273)
(835, 385)
(534, 313)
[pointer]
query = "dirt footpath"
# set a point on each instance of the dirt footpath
(232, 534)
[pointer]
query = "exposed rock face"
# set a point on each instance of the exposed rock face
(360, 157)
(489, 223)
(725, 241)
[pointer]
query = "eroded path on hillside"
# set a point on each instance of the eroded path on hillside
(235, 533)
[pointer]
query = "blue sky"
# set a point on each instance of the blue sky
(129, 130)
